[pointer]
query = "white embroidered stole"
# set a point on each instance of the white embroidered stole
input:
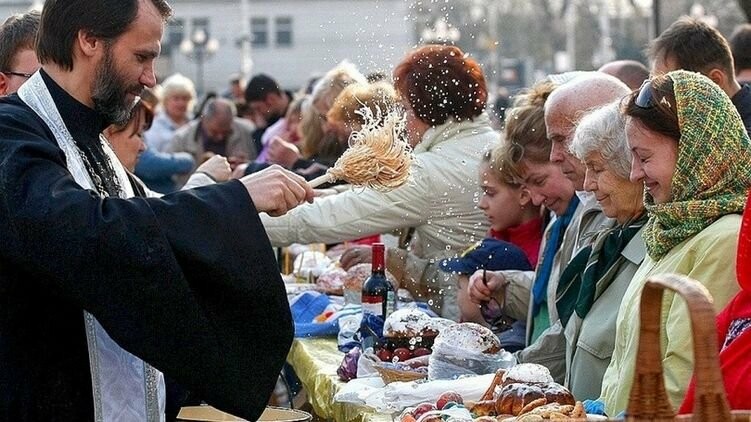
(124, 387)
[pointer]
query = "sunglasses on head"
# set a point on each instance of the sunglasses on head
(646, 99)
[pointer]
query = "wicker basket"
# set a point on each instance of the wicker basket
(390, 375)
(648, 400)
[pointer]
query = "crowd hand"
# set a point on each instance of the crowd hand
(217, 167)
(482, 290)
(275, 190)
(239, 171)
(356, 255)
(282, 152)
(236, 160)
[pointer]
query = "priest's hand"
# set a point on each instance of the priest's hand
(275, 190)
(485, 285)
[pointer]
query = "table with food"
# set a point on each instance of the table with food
(405, 363)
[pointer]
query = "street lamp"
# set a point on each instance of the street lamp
(199, 47)
(440, 33)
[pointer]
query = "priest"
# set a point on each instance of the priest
(101, 291)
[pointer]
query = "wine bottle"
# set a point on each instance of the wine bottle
(378, 296)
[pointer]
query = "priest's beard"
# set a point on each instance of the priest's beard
(110, 92)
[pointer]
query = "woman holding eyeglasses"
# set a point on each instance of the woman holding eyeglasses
(524, 295)
(692, 153)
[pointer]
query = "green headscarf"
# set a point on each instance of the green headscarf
(713, 170)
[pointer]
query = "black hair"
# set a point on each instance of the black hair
(63, 19)
(260, 86)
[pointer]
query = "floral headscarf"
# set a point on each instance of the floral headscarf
(713, 170)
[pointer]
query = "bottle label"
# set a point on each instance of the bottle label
(390, 303)
(372, 305)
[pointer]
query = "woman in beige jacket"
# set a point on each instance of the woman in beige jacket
(444, 95)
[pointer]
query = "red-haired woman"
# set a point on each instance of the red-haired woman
(444, 95)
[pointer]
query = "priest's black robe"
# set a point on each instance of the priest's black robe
(188, 282)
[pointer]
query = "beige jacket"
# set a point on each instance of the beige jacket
(708, 257)
(550, 348)
(239, 143)
(590, 341)
(440, 202)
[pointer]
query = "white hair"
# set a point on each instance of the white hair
(178, 84)
(603, 129)
(334, 82)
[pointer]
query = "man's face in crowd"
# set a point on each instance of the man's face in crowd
(25, 62)
(127, 65)
(560, 128)
(269, 107)
(218, 128)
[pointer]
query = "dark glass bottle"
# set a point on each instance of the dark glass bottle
(378, 296)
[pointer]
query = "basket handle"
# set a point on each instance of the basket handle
(648, 399)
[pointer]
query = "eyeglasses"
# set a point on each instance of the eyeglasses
(21, 74)
(492, 312)
(646, 100)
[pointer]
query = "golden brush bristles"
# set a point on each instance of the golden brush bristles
(378, 156)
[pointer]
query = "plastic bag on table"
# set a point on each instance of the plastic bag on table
(348, 326)
(365, 366)
(347, 370)
(449, 362)
(397, 396)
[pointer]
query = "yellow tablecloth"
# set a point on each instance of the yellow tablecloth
(315, 361)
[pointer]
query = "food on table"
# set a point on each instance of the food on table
(520, 390)
(530, 373)
(402, 354)
(384, 354)
(332, 278)
(310, 264)
(422, 409)
(470, 337)
(448, 397)
(513, 398)
(409, 323)
(422, 351)
(466, 349)
(552, 411)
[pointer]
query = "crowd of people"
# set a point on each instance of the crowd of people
(143, 223)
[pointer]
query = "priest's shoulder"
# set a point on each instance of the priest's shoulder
(19, 122)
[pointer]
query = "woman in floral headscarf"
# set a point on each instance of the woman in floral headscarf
(694, 157)
(734, 330)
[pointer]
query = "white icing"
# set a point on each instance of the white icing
(528, 373)
(407, 321)
(468, 336)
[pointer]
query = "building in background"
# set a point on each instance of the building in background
(290, 39)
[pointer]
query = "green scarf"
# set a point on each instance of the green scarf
(593, 269)
(713, 171)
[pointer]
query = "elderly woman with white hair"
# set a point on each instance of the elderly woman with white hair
(594, 282)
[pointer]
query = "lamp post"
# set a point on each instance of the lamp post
(440, 33)
(199, 47)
